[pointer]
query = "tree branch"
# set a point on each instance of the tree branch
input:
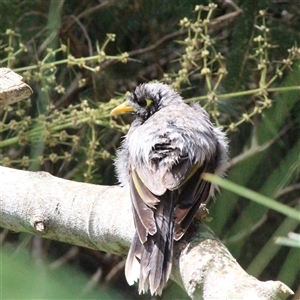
(99, 217)
(12, 87)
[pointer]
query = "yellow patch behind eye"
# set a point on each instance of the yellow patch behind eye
(149, 101)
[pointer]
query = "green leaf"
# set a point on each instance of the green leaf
(254, 196)
(293, 240)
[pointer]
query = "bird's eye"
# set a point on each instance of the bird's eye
(145, 102)
(142, 103)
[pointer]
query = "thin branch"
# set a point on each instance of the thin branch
(255, 148)
(87, 12)
(288, 189)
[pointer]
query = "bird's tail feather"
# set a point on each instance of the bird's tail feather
(155, 255)
(132, 267)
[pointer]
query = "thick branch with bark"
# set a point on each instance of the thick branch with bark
(12, 87)
(99, 217)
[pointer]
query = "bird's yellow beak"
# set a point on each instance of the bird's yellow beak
(124, 107)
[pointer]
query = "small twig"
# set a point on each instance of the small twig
(87, 12)
(287, 190)
(235, 6)
(114, 272)
(241, 235)
(86, 35)
(3, 235)
(92, 282)
(157, 44)
(69, 255)
(254, 148)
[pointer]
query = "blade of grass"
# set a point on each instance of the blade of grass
(272, 122)
(267, 253)
(254, 212)
(290, 268)
(254, 196)
(288, 241)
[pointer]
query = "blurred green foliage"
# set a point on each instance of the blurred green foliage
(23, 278)
(239, 59)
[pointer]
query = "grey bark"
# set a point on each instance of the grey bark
(99, 217)
(12, 87)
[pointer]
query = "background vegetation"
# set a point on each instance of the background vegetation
(239, 59)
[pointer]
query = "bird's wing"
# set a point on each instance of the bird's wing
(172, 157)
(185, 179)
(167, 167)
(193, 192)
(142, 213)
(171, 167)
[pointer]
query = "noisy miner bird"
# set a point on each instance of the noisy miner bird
(169, 146)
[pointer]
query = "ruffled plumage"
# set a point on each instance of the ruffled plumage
(169, 146)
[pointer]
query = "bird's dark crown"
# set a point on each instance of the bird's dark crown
(148, 98)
